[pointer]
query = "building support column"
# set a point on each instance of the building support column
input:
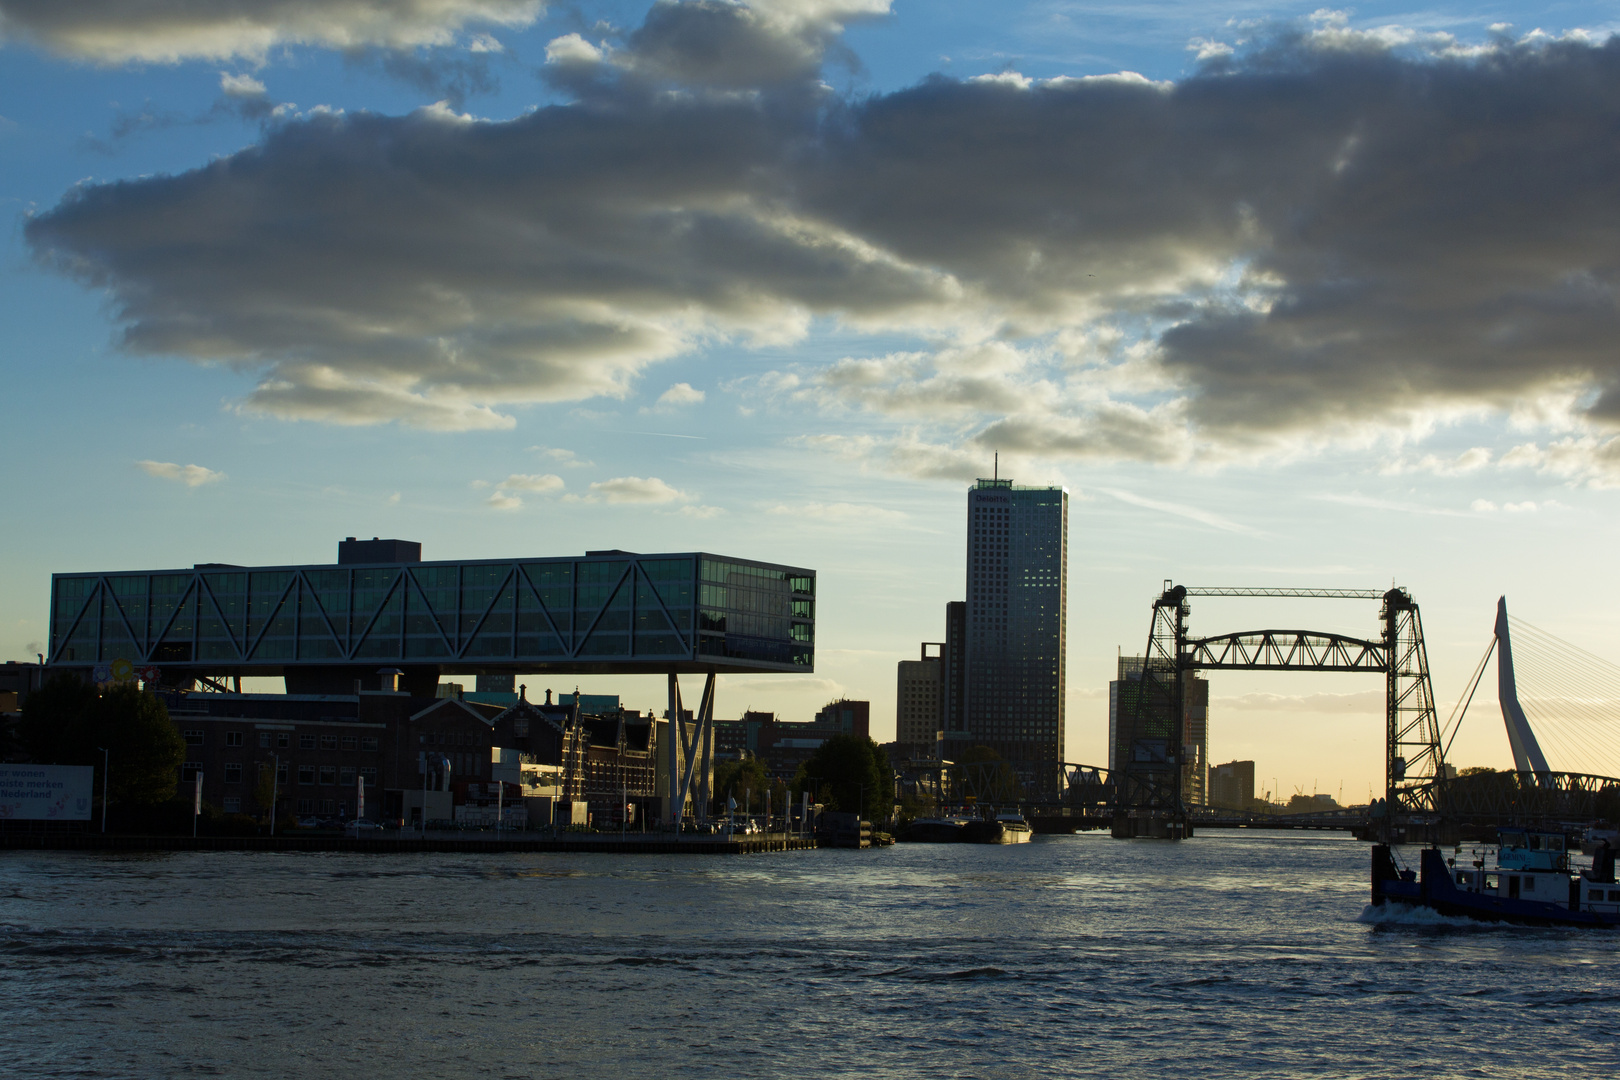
(683, 757)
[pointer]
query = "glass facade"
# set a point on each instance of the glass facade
(616, 612)
(1016, 620)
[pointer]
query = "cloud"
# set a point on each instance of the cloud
(566, 458)
(838, 513)
(1319, 237)
(502, 501)
(680, 394)
(1369, 702)
(393, 500)
(1191, 513)
(169, 31)
(702, 513)
(189, 475)
(1469, 461)
(542, 484)
(633, 489)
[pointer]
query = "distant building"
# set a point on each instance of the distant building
(953, 675)
(1123, 696)
(1231, 786)
(919, 692)
(782, 746)
(1016, 619)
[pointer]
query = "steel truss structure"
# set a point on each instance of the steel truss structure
(1526, 798)
(690, 753)
(607, 613)
(1149, 780)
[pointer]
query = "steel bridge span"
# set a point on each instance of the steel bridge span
(1066, 797)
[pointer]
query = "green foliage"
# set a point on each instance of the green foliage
(981, 773)
(49, 716)
(849, 772)
(1477, 770)
(68, 722)
(747, 782)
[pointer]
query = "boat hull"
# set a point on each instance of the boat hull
(995, 832)
(933, 832)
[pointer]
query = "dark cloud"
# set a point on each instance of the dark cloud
(1323, 234)
(168, 31)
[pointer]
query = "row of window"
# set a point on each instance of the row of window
(307, 774)
(283, 740)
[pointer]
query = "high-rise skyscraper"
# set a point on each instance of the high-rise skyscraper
(1017, 593)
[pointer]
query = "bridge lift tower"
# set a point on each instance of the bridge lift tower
(1148, 795)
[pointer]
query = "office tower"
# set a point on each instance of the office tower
(1017, 591)
(918, 691)
(1195, 741)
(1232, 785)
(953, 699)
(1123, 695)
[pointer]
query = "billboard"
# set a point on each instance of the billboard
(46, 792)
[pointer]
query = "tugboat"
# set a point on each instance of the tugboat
(935, 830)
(1007, 828)
(1531, 883)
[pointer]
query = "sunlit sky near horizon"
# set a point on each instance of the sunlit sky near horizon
(1283, 296)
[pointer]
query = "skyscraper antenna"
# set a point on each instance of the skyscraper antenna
(996, 472)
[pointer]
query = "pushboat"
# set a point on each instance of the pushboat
(1530, 883)
(936, 830)
(1008, 828)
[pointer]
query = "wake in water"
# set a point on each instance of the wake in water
(1395, 915)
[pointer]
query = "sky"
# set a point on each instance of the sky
(1283, 295)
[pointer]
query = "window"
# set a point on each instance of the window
(283, 740)
(1594, 894)
(349, 742)
(368, 742)
(306, 806)
(1529, 884)
(346, 776)
(233, 738)
(369, 774)
(306, 774)
(343, 808)
(264, 740)
(189, 771)
(306, 742)
(328, 774)
(233, 773)
(1614, 894)
(1462, 877)
(328, 806)
(520, 728)
(233, 804)
(193, 737)
(281, 773)
(328, 742)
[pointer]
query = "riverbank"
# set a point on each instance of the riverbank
(628, 843)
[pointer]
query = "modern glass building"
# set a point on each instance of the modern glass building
(1016, 625)
(323, 626)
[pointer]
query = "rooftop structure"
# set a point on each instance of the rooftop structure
(325, 626)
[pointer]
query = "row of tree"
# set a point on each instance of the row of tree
(71, 722)
(847, 773)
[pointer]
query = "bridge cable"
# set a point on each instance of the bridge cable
(1461, 708)
(1573, 697)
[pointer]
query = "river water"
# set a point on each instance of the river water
(1232, 954)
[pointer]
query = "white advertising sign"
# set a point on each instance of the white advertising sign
(46, 792)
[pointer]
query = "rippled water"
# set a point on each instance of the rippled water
(1228, 955)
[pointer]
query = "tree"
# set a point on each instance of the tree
(68, 722)
(981, 773)
(49, 717)
(849, 772)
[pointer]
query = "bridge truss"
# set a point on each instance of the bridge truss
(1150, 779)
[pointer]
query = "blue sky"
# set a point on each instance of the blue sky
(1306, 297)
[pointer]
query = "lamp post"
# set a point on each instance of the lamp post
(106, 760)
(275, 789)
